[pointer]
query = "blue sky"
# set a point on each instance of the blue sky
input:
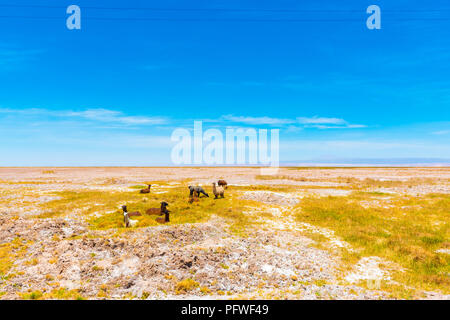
(112, 92)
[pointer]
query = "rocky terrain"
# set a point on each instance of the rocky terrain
(63, 255)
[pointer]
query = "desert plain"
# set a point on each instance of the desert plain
(304, 233)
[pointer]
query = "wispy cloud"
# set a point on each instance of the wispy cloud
(105, 115)
(319, 120)
(299, 122)
(345, 126)
(257, 120)
(96, 115)
(29, 111)
(441, 132)
(118, 118)
(328, 123)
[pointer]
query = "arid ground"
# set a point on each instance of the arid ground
(305, 233)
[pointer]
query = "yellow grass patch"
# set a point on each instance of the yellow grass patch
(185, 286)
(408, 233)
(9, 252)
(102, 209)
(55, 294)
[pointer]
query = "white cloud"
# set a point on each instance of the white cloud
(442, 132)
(105, 115)
(312, 122)
(30, 111)
(321, 120)
(118, 118)
(293, 129)
(327, 123)
(257, 120)
(356, 126)
(345, 126)
(98, 115)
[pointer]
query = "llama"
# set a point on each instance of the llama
(218, 191)
(158, 211)
(126, 217)
(165, 219)
(198, 189)
(131, 214)
(222, 183)
(146, 190)
(194, 197)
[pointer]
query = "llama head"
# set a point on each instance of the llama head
(124, 208)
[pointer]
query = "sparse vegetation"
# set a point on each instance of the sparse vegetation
(408, 233)
(9, 252)
(34, 295)
(108, 215)
(370, 183)
(280, 177)
(256, 242)
(185, 286)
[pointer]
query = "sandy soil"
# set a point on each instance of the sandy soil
(275, 260)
